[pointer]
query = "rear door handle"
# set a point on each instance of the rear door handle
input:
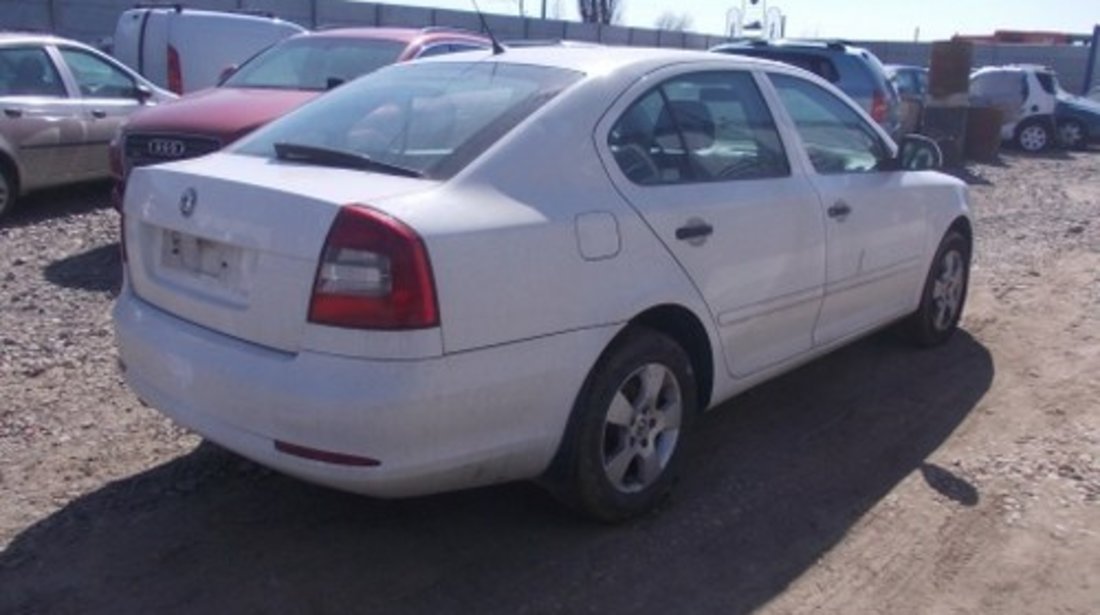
(11, 112)
(839, 210)
(99, 113)
(694, 229)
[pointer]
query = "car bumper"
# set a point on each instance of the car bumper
(451, 422)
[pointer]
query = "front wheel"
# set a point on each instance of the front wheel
(7, 191)
(1071, 134)
(1033, 136)
(624, 444)
(944, 294)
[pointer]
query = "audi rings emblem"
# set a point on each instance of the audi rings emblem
(165, 148)
(188, 200)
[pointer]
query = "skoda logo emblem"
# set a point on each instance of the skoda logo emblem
(188, 200)
(166, 148)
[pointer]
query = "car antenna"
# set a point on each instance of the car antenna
(497, 47)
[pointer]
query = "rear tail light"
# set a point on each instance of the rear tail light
(878, 107)
(374, 273)
(175, 73)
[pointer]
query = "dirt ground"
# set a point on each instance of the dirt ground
(879, 479)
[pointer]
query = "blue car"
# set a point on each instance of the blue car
(1078, 120)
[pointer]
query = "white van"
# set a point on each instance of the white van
(185, 50)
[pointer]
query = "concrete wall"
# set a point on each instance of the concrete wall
(93, 20)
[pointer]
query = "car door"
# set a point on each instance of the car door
(699, 156)
(40, 124)
(108, 94)
(875, 230)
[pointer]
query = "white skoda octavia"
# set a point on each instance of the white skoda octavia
(538, 264)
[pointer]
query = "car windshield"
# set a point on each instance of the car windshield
(314, 63)
(425, 119)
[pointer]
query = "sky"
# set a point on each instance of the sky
(849, 19)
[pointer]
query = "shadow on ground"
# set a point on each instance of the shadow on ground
(777, 479)
(96, 270)
(38, 207)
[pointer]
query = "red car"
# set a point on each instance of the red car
(269, 85)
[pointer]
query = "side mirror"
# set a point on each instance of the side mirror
(226, 73)
(142, 92)
(918, 153)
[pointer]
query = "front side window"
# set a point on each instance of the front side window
(28, 71)
(428, 119)
(712, 126)
(96, 77)
(314, 63)
(836, 138)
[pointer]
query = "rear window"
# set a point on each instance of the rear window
(433, 117)
(819, 65)
(314, 63)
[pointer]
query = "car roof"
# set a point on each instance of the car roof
(597, 59)
(402, 35)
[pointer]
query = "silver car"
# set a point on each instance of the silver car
(61, 103)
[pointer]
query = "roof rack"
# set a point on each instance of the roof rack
(547, 42)
(179, 7)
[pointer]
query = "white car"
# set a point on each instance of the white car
(1027, 96)
(538, 264)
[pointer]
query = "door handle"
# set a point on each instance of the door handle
(839, 210)
(694, 229)
(11, 112)
(99, 113)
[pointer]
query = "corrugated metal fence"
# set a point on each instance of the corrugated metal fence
(92, 20)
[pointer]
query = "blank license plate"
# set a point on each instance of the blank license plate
(199, 257)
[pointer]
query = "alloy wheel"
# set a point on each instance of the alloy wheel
(1033, 138)
(642, 428)
(1070, 134)
(947, 291)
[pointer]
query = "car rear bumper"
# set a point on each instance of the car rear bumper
(461, 420)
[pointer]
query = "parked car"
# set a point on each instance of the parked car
(1078, 120)
(1025, 94)
(271, 84)
(911, 83)
(185, 50)
(62, 101)
(856, 71)
(543, 263)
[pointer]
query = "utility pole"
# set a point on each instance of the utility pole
(544, 9)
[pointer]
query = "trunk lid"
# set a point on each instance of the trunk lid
(232, 242)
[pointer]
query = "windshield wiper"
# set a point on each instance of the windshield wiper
(323, 156)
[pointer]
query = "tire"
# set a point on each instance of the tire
(623, 448)
(7, 190)
(1072, 134)
(1034, 136)
(944, 293)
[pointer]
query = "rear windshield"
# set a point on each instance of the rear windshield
(314, 63)
(819, 65)
(433, 118)
(1048, 81)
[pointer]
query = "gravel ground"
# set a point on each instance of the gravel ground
(879, 479)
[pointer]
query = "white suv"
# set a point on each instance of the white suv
(1026, 95)
(540, 263)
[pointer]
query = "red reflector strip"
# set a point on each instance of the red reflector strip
(325, 456)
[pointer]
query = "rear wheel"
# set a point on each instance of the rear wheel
(1033, 136)
(944, 295)
(623, 449)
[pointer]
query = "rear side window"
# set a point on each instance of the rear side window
(704, 127)
(314, 63)
(28, 71)
(433, 118)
